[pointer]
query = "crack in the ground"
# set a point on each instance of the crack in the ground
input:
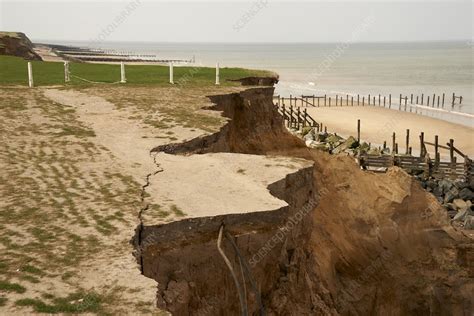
(145, 207)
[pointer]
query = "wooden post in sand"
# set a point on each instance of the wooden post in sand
(122, 73)
(373, 103)
(290, 121)
(305, 117)
(363, 100)
(298, 114)
(393, 142)
(411, 98)
(358, 130)
(437, 103)
(368, 99)
(451, 150)
(347, 99)
(358, 100)
(389, 101)
(408, 141)
(428, 101)
(329, 101)
(443, 102)
(422, 95)
(336, 99)
(30, 75)
(171, 74)
(325, 100)
(434, 97)
(436, 146)
(218, 81)
(416, 99)
(66, 72)
(352, 100)
(379, 99)
(422, 145)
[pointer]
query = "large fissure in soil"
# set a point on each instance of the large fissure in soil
(348, 242)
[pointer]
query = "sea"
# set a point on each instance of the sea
(342, 68)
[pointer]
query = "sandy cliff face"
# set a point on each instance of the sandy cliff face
(17, 44)
(349, 242)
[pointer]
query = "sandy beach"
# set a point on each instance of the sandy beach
(378, 124)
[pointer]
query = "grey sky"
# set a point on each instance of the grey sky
(242, 21)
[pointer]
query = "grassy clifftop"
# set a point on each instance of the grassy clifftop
(17, 44)
(13, 71)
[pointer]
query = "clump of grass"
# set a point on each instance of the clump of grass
(74, 303)
(11, 287)
(76, 131)
(3, 301)
(31, 269)
(177, 211)
(241, 171)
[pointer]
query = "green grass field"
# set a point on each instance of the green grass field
(13, 71)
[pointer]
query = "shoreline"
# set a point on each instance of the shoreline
(378, 124)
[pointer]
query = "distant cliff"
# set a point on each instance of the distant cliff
(17, 44)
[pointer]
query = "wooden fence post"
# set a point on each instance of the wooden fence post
(171, 73)
(123, 79)
(358, 131)
(30, 75)
(408, 141)
(218, 81)
(290, 121)
(436, 144)
(393, 142)
(451, 150)
(422, 144)
(66, 72)
(298, 113)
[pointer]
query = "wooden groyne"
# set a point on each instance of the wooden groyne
(297, 118)
(402, 102)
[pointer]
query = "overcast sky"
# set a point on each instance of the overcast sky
(239, 21)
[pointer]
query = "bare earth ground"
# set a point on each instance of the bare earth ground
(73, 163)
(378, 124)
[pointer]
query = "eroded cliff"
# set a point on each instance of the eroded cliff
(349, 241)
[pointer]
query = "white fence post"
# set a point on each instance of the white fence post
(171, 73)
(30, 75)
(66, 72)
(122, 73)
(218, 82)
